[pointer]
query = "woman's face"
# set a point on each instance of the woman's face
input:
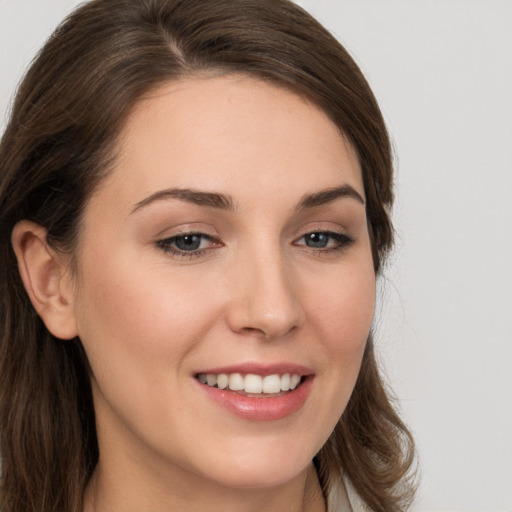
(230, 243)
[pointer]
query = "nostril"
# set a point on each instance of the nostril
(255, 332)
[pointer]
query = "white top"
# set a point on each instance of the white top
(344, 498)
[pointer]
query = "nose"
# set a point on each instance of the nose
(265, 298)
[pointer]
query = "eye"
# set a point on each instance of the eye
(325, 240)
(187, 244)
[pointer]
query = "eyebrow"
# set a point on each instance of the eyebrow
(210, 199)
(327, 196)
(225, 202)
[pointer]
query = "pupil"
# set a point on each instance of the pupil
(317, 240)
(188, 242)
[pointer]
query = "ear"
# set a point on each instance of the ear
(46, 277)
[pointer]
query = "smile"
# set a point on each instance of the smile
(257, 392)
(269, 385)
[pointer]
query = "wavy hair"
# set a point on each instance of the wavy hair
(58, 146)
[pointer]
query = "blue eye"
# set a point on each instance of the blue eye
(317, 240)
(326, 240)
(188, 244)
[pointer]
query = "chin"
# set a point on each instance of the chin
(262, 476)
(258, 468)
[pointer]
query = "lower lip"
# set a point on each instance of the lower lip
(260, 408)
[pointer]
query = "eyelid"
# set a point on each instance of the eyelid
(329, 232)
(186, 228)
(172, 238)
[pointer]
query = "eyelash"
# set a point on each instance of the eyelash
(167, 245)
(168, 248)
(342, 241)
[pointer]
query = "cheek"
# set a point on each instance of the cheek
(342, 317)
(134, 318)
(345, 307)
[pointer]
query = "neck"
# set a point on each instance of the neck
(107, 492)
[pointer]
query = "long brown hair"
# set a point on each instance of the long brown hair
(56, 149)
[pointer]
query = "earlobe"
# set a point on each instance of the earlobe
(46, 278)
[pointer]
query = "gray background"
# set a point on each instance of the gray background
(442, 72)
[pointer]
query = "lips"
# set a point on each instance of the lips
(258, 392)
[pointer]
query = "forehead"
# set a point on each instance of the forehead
(232, 131)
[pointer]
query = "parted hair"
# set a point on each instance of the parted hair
(58, 146)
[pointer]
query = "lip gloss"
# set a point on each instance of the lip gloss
(260, 407)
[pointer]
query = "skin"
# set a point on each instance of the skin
(150, 319)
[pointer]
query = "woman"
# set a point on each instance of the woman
(194, 205)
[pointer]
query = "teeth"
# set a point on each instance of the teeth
(222, 381)
(236, 382)
(251, 383)
(294, 381)
(272, 384)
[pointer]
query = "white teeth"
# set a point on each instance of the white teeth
(294, 381)
(272, 384)
(236, 382)
(222, 381)
(251, 383)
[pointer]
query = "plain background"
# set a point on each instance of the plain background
(442, 72)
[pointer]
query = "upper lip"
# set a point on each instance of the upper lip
(262, 369)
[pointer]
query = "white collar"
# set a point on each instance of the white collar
(343, 498)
